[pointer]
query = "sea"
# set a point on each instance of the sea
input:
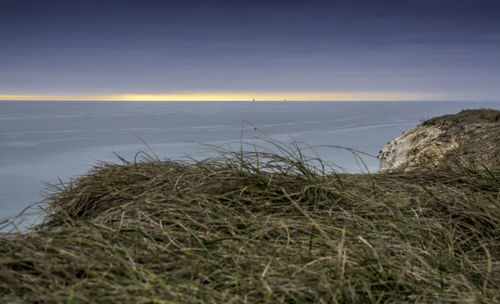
(52, 141)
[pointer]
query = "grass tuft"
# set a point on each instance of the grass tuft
(255, 227)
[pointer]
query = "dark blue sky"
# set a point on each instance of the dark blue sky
(442, 49)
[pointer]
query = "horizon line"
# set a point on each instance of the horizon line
(233, 96)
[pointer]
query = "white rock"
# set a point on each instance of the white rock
(415, 147)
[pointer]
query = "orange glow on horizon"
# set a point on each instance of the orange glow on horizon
(232, 96)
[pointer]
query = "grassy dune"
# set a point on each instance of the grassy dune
(260, 228)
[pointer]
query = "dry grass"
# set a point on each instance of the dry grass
(259, 228)
(485, 114)
(467, 116)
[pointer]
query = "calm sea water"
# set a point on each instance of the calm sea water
(42, 141)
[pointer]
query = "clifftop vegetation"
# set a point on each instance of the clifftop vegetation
(260, 228)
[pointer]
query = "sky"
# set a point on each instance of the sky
(240, 50)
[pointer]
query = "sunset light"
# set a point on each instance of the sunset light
(235, 96)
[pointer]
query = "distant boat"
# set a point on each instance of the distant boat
(253, 99)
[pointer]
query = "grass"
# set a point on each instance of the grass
(469, 116)
(484, 114)
(260, 228)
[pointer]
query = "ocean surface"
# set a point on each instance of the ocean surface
(44, 141)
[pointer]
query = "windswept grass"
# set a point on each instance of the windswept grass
(260, 228)
(468, 116)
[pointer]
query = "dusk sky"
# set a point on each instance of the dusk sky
(299, 50)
